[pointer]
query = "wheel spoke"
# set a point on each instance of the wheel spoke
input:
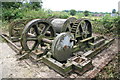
(87, 32)
(35, 46)
(40, 26)
(45, 30)
(82, 27)
(36, 29)
(16, 29)
(32, 39)
(31, 35)
(86, 27)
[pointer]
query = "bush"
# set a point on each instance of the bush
(35, 14)
(63, 15)
(72, 12)
(79, 15)
(106, 25)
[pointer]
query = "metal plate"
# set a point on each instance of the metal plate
(62, 46)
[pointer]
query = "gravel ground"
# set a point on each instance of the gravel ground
(10, 67)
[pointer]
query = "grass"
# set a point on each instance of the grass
(4, 26)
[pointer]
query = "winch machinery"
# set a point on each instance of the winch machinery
(66, 45)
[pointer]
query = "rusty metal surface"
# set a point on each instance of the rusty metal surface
(82, 29)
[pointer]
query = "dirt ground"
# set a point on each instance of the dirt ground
(10, 67)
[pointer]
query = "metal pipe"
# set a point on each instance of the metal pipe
(47, 40)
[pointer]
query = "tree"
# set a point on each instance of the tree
(114, 11)
(72, 12)
(10, 10)
(11, 5)
(65, 10)
(13, 10)
(86, 13)
(33, 5)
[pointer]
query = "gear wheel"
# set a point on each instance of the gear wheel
(82, 29)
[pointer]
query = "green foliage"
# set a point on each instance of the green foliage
(31, 10)
(117, 25)
(34, 14)
(86, 13)
(4, 26)
(107, 25)
(14, 10)
(63, 15)
(79, 15)
(114, 11)
(10, 10)
(11, 5)
(107, 21)
(72, 12)
(11, 14)
(33, 5)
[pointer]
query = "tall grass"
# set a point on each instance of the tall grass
(41, 13)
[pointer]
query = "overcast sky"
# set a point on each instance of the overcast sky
(90, 5)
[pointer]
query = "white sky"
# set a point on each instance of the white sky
(90, 5)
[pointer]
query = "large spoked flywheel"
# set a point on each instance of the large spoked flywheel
(34, 32)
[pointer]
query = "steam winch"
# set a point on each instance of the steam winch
(66, 45)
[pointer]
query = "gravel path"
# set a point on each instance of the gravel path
(11, 68)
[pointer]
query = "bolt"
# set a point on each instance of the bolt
(69, 60)
(63, 65)
(36, 51)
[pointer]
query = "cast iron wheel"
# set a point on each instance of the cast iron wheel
(33, 33)
(16, 27)
(68, 24)
(82, 29)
